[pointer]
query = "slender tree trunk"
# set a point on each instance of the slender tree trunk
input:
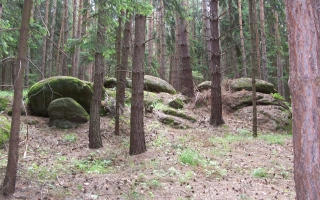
(186, 81)
(121, 79)
(0, 10)
(74, 64)
(150, 42)
(279, 56)
(243, 52)
(44, 43)
(137, 138)
(85, 16)
(59, 59)
(207, 31)
(53, 23)
(253, 60)
(118, 44)
(65, 70)
(9, 182)
(216, 103)
(79, 35)
(162, 42)
(264, 64)
(256, 29)
(94, 128)
(304, 44)
(175, 70)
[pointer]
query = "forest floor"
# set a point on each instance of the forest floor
(201, 162)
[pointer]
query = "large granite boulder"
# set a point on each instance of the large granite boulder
(66, 113)
(270, 117)
(4, 130)
(111, 82)
(206, 85)
(155, 84)
(246, 84)
(42, 93)
(240, 99)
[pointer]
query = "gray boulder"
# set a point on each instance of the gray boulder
(246, 84)
(206, 85)
(155, 84)
(176, 103)
(66, 113)
(42, 93)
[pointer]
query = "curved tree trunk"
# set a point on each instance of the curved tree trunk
(304, 44)
(9, 182)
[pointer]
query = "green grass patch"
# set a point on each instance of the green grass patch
(71, 138)
(259, 173)
(190, 157)
(275, 138)
(90, 166)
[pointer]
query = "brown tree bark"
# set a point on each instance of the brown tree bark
(137, 138)
(150, 42)
(243, 52)
(0, 10)
(279, 56)
(304, 44)
(74, 64)
(122, 71)
(52, 31)
(65, 70)
(44, 43)
(253, 60)
(118, 44)
(216, 103)
(95, 141)
(84, 19)
(207, 31)
(9, 182)
(175, 70)
(186, 81)
(162, 43)
(264, 61)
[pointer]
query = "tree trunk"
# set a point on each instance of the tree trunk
(118, 44)
(94, 128)
(175, 70)
(85, 16)
(279, 56)
(253, 60)
(304, 44)
(8, 186)
(243, 52)
(121, 79)
(162, 42)
(264, 64)
(0, 10)
(150, 43)
(216, 103)
(256, 29)
(74, 66)
(186, 81)
(44, 44)
(65, 70)
(137, 138)
(207, 31)
(52, 31)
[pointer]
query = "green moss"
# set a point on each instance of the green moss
(176, 103)
(4, 130)
(4, 103)
(179, 114)
(42, 93)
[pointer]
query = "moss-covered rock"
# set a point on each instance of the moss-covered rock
(179, 114)
(155, 84)
(66, 113)
(174, 123)
(110, 82)
(206, 85)
(176, 103)
(42, 93)
(4, 130)
(246, 84)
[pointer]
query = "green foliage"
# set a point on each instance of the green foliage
(92, 166)
(71, 137)
(277, 96)
(275, 138)
(259, 173)
(190, 157)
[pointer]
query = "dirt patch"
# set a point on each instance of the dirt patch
(202, 162)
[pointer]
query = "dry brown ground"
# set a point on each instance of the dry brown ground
(57, 164)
